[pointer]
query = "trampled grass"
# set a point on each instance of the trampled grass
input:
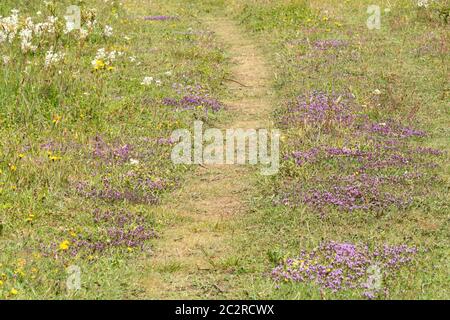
(86, 118)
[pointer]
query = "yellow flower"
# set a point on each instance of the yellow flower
(110, 68)
(99, 64)
(12, 167)
(1, 283)
(19, 272)
(30, 217)
(64, 245)
(56, 119)
(130, 249)
(54, 158)
(21, 155)
(14, 292)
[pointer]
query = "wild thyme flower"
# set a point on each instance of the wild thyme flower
(159, 18)
(191, 102)
(342, 266)
(113, 229)
(329, 44)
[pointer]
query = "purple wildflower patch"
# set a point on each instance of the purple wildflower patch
(348, 193)
(392, 129)
(319, 108)
(113, 229)
(191, 102)
(109, 153)
(329, 44)
(367, 173)
(159, 18)
(343, 266)
(145, 194)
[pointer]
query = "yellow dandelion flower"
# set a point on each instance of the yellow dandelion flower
(30, 218)
(64, 245)
(56, 119)
(54, 158)
(21, 155)
(12, 167)
(19, 272)
(99, 64)
(14, 292)
(1, 283)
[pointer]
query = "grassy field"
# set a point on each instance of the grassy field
(85, 170)
(365, 117)
(85, 153)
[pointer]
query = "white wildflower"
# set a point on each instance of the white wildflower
(108, 31)
(134, 161)
(91, 24)
(376, 92)
(52, 58)
(6, 60)
(26, 36)
(422, 3)
(147, 81)
(51, 24)
(3, 36)
(83, 34)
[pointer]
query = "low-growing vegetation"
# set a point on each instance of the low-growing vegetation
(358, 210)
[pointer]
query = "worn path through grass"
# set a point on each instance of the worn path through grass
(193, 258)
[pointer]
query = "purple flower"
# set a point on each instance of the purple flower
(190, 102)
(329, 44)
(342, 266)
(159, 18)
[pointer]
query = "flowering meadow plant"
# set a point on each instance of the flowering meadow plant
(342, 266)
(371, 170)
